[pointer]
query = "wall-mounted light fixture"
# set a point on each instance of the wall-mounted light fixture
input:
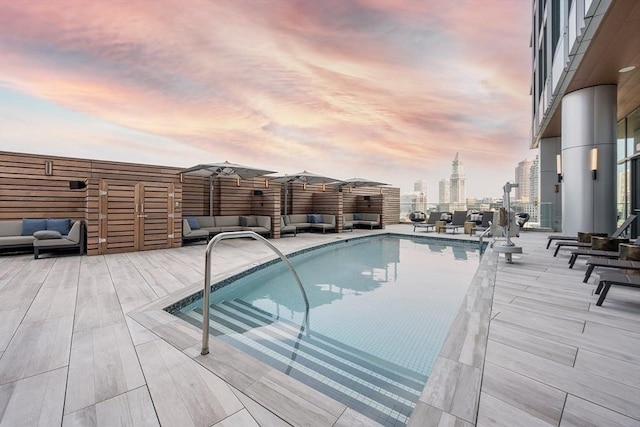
(350, 189)
(48, 167)
(304, 186)
(238, 182)
(324, 187)
(181, 178)
(559, 166)
(266, 183)
(594, 163)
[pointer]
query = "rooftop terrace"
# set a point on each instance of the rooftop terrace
(80, 345)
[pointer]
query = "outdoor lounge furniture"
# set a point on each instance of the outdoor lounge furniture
(487, 219)
(369, 220)
(430, 222)
(609, 278)
(52, 241)
(322, 222)
(287, 229)
(42, 235)
(594, 262)
(575, 253)
(458, 220)
(202, 227)
(575, 243)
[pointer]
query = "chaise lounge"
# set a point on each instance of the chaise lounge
(609, 278)
(575, 243)
(458, 220)
(430, 223)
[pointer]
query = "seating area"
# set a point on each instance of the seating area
(616, 258)
(203, 227)
(308, 222)
(365, 220)
(42, 235)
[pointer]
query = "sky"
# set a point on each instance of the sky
(388, 90)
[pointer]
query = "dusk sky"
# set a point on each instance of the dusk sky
(387, 90)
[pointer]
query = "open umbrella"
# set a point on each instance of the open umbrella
(303, 177)
(357, 182)
(225, 169)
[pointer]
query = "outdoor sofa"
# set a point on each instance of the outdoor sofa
(369, 220)
(203, 227)
(322, 222)
(42, 235)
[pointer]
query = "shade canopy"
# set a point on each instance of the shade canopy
(302, 177)
(224, 169)
(305, 178)
(357, 182)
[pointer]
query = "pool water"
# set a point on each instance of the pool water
(380, 310)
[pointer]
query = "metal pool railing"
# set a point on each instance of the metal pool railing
(207, 279)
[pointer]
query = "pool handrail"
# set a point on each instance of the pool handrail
(207, 279)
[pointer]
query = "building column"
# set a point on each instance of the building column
(550, 209)
(589, 121)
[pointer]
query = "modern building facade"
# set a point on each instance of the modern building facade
(444, 191)
(586, 112)
(523, 179)
(457, 182)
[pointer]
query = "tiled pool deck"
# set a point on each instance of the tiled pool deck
(83, 342)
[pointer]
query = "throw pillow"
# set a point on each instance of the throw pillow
(243, 221)
(60, 225)
(310, 218)
(317, 219)
(357, 217)
(30, 226)
(47, 234)
(193, 223)
(252, 221)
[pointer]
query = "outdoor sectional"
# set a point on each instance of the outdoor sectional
(322, 222)
(202, 227)
(369, 220)
(42, 235)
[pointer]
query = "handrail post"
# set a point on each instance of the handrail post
(207, 279)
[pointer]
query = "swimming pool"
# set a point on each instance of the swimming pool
(380, 310)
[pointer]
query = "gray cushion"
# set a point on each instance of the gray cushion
(47, 234)
(10, 227)
(74, 233)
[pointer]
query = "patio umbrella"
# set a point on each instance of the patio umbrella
(357, 182)
(303, 177)
(225, 169)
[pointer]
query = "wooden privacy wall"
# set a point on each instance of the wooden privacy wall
(27, 192)
(195, 195)
(28, 189)
(386, 204)
(329, 203)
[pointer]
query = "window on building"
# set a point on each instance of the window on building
(555, 25)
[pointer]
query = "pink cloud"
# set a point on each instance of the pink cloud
(411, 81)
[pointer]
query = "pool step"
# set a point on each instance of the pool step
(380, 390)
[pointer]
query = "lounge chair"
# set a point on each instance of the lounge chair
(594, 262)
(575, 253)
(458, 220)
(615, 234)
(430, 223)
(608, 278)
(487, 219)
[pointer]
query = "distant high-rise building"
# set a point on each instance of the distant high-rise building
(420, 186)
(534, 178)
(523, 177)
(444, 194)
(457, 182)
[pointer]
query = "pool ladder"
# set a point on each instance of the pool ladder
(207, 279)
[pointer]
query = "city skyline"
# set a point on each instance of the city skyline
(378, 89)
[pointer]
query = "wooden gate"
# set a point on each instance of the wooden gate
(135, 217)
